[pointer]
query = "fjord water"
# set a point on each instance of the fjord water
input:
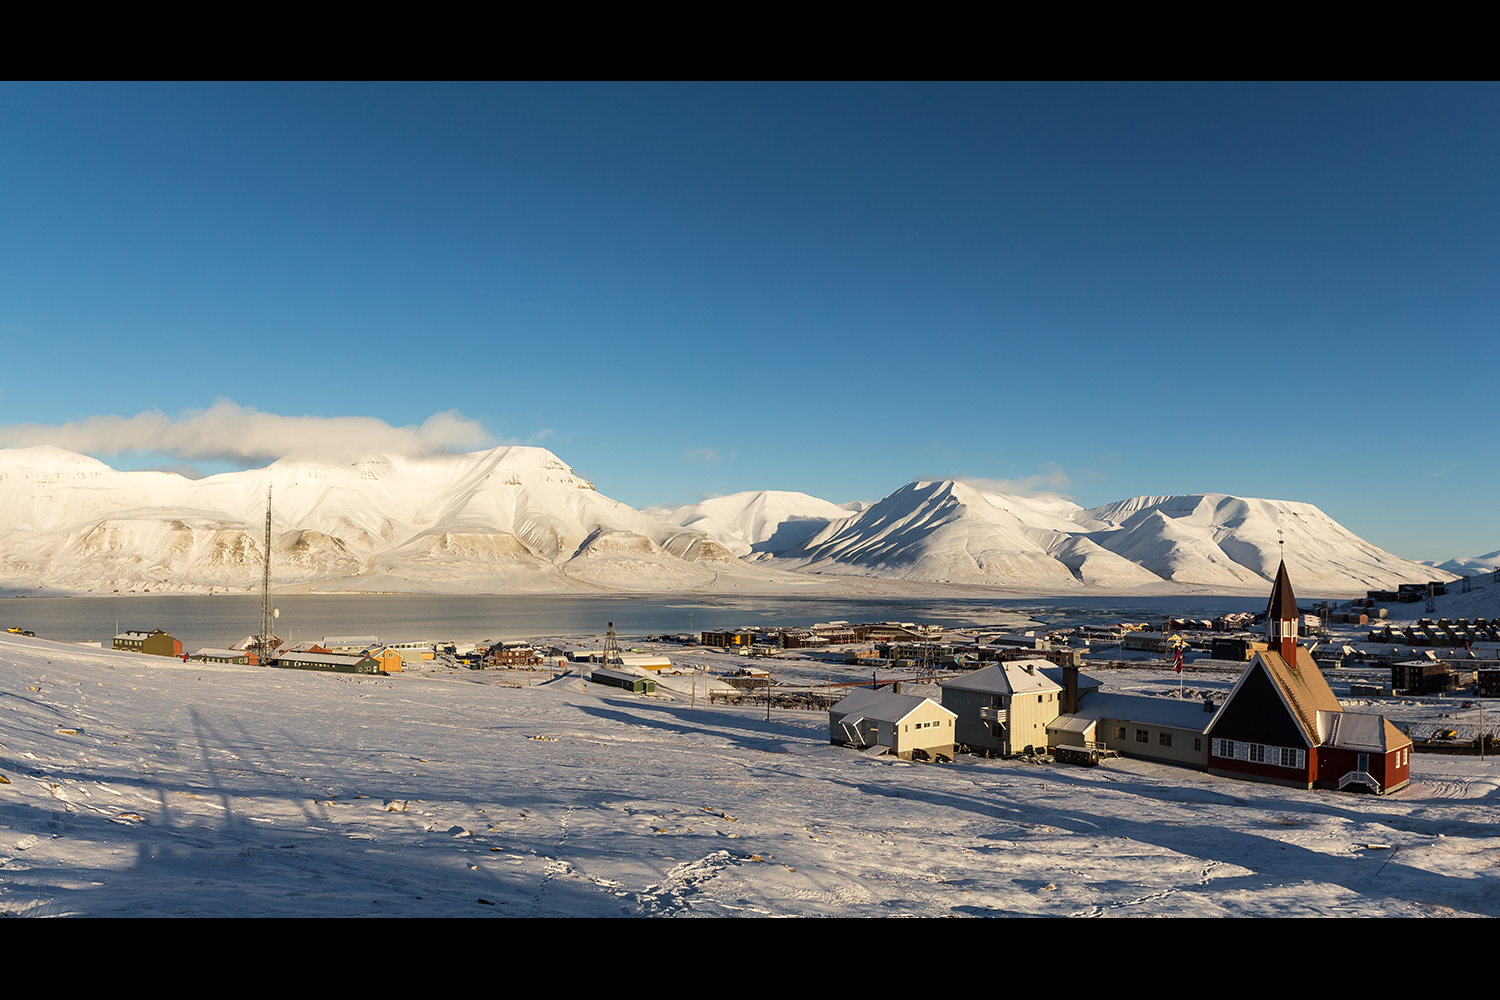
(218, 621)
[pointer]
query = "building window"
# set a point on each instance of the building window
(1164, 739)
(1258, 753)
(1142, 736)
(1197, 744)
(1119, 732)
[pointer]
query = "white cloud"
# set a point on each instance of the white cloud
(228, 432)
(1051, 483)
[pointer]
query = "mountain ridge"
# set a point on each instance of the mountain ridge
(517, 519)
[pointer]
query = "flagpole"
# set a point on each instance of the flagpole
(1177, 665)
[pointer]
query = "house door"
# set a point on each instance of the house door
(1364, 762)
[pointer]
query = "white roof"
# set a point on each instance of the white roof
(884, 706)
(1143, 709)
(1353, 730)
(331, 659)
(329, 641)
(1013, 678)
(619, 675)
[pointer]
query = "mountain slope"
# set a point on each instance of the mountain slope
(516, 519)
(1221, 540)
(945, 532)
(507, 519)
(950, 532)
(758, 521)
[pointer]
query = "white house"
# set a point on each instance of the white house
(906, 725)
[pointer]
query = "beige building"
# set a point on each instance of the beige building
(1162, 729)
(1006, 708)
(906, 725)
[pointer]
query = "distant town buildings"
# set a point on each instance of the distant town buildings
(1281, 723)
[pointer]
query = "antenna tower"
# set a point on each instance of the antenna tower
(267, 615)
(612, 657)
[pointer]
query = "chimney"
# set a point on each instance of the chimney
(1070, 690)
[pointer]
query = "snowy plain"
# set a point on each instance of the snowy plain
(144, 786)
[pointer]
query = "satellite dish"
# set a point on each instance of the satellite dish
(276, 613)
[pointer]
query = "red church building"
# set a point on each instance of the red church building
(1282, 724)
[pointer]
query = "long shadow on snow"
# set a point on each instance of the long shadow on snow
(170, 866)
(753, 734)
(1263, 855)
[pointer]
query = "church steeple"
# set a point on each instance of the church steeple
(1282, 617)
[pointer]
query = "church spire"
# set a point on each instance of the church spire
(1282, 617)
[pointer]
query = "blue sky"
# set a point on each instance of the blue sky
(1105, 290)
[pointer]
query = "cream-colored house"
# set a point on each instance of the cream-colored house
(906, 725)
(1006, 707)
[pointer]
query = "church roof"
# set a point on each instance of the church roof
(1283, 606)
(1300, 686)
(1303, 687)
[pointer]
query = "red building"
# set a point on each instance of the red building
(1282, 724)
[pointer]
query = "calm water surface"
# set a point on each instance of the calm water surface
(218, 621)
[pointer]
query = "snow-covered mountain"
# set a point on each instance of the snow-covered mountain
(1471, 565)
(759, 521)
(504, 520)
(517, 519)
(951, 532)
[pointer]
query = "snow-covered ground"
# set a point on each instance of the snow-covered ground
(140, 785)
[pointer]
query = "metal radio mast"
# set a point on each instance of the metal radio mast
(267, 613)
(612, 657)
